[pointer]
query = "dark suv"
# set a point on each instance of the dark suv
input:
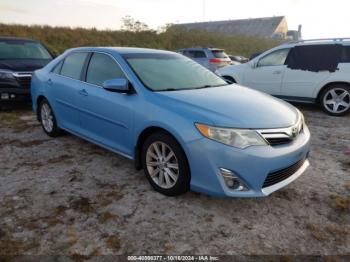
(18, 59)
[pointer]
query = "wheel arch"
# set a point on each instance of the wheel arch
(318, 97)
(38, 101)
(142, 138)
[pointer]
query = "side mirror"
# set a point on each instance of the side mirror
(118, 85)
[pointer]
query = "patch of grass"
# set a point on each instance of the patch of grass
(82, 205)
(106, 216)
(113, 242)
(31, 226)
(10, 117)
(340, 203)
(59, 159)
(317, 232)
(76, 175)
(347, 185)
(72, 240)
(108, 198)
(80, 257)
(12, 246)
(12, 120)
(339, 232)
(24, 144)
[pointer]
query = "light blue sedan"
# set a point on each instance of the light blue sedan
(185, 126)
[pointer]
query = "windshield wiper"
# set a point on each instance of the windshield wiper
(207, 86)
(167, 89)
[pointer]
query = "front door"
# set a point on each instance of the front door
(106, 117)
(267, 73)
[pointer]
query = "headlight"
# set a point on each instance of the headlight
(4, 74)
(240, 138)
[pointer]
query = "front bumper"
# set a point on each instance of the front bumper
(8, 94)
(252, 165)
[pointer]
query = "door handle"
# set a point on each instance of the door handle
(277, 72)
(49, 81)
(83, 92)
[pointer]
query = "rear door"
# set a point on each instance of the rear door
(267, 74)
(303, 83)
(63, 85)
(106, 117)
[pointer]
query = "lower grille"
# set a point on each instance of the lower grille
(278, 176)
(24, 81)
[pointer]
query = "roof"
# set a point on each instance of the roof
(9, 38)
(120, 50)
(261, 27)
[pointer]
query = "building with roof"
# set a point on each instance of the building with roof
(268, 27)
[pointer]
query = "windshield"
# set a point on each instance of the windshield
(17, 49)
(170, 72)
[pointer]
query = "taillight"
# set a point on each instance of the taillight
(215, 60)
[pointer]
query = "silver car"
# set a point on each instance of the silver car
(211, 58)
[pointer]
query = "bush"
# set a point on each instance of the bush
(58, 39)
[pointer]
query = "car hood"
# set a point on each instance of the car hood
(23, 65)
(235, 106)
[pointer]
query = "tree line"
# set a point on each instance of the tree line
(134, 33)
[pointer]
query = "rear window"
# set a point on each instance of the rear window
(219, 54)
(195, 54)
(345, 56)
(19, 49)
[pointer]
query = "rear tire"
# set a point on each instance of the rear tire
(335, 99)
(47, 119)
(165, 164)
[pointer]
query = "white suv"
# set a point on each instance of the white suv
(311, 71)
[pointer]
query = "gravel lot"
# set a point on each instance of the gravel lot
(67, 196)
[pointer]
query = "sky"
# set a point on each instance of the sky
(319, 18)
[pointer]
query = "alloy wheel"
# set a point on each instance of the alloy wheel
(162, 165)
(46, 117)
(337, 100)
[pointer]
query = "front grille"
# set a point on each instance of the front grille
(24, 81)
(278, 176)
(275, 141)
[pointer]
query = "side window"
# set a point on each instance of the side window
(73, 65)
(199, 54)
(275, 58)
(345, 56)
(188, 54)
(57, 68)
(101, 68)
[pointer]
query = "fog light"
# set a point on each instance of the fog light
(232, 181)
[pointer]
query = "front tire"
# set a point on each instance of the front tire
(335, 99)
(165, 164)
(48, 119)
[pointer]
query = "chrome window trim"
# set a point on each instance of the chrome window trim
(101, 52)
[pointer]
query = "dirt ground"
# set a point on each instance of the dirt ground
(67, 196)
